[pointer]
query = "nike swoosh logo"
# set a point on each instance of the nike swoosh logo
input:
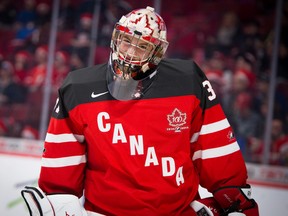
(98, 95)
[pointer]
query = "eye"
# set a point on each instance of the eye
(143, 46)
(126, 40)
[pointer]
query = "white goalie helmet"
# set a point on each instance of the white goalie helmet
(138, 44)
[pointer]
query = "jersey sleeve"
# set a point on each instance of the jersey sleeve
(64, 155)
(215, 151)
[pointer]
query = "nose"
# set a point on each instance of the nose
(131, 53)
(131, 50)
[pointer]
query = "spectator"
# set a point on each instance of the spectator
(227, 32)
(36, 75)
(23, 34)
(279, 148)
(27, 13)
(22, 63)
(29, 132)
(240, 84)
(250, 36)
(254, 150)
(78, 60)
(61, 68)
(67, 19)
(246, 61)
(81, 40)
(85, 22)
(261, 94)
(80, 44)
(280, 98)
(247, 122)
(10, 91)
(82, 37)
(43, 13)
(3, 128)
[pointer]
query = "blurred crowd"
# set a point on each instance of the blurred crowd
(233, 48)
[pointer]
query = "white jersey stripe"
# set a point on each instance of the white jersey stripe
(214, 127)
(210, 128)
(60, 138)
(194, 137)
(64, 161)
(216, 152)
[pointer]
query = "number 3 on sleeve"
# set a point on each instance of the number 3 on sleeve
(206, 84)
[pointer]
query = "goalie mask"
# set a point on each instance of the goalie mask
(137, 46)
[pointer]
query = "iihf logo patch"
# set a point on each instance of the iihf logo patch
(177, 119)
(230, 135)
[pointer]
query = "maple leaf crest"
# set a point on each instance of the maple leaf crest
(177, 118)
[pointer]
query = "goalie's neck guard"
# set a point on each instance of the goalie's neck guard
(127, 87)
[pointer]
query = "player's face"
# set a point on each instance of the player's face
(134, 49)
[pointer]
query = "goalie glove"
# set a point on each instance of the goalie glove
(209, 207)
(51, 205)
(227, 201)
(236, 199)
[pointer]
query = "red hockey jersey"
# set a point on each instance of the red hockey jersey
(140, 157)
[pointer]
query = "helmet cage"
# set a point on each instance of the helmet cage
(152, 52)
(143, 48)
